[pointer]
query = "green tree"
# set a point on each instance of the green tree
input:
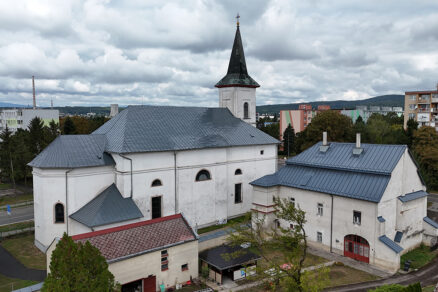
(272, 130)
(69, 127)
(286, 272)
(360, 127)
(411, 127)
(6, 155)
(339, 128)
(425, 148)
(289, 141)
(53, 131)
(36, 141)
(78, 267)
(21, 155)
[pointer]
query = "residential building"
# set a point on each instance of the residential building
(299, 119)
(149, 255)
(365, 112)
(143, 162)
(364, 201)
(16, 119)
(422, 106)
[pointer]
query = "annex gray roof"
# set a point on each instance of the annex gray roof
(375, 158)
(430, 222)
(71, 151)
(391, 244)
(167, 128)
(413, 196)
(106, 208)
(362, 186)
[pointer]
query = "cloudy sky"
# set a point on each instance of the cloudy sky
(173, 52)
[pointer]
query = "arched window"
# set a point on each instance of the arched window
(238, 171)
(203, 175)
(59, 213)
(245, 111)
(156, 183)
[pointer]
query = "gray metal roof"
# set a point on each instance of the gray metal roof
(71, 151)
(356, 185)
(413, 196)
(391, 244)
(431, 222)
(166, 128)
(375, 158)
(108, 207)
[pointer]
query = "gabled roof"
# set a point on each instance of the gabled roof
(362, 186)
(106, 208)
(131, 240)
(430, 222)
(71, 151)
(237, 74)
(391, 244)
(375, 158)
(413, 196)
(226, 256)
(167, 128)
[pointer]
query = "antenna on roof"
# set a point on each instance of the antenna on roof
(33, 89)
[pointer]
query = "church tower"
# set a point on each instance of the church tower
(237, 90)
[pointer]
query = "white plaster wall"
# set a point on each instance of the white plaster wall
(49, 188)
(234, 98)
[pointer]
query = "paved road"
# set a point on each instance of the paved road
(17, 215)
(428, 275)
(12, 268)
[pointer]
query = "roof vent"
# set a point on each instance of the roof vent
(357, 150)
(325, 146)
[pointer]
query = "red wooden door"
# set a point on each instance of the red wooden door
(357, 248)
(149, 284)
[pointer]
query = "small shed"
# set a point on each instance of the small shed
(234, 262)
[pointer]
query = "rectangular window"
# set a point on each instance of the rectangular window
(320, 209)
(164, 253)
(413, 97)
(185, 267)
(319, 236)
(164, 259)
(237, 193)
(164, 267)
(412, 106)
(156, 207)
(292, 201)
(357, 217)
(262, 152)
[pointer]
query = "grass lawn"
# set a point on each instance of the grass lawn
(5, 186)
(419, 257)
(17, 226)
(9, 200)
(23, 249)
(241, 219)
(343, 275)
(311, 260)
(191, 288)
(9, 284)
(428, 289)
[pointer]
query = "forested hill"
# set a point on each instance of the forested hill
(383, 100)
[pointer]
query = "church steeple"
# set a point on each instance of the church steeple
(237, 74)
(237, 90)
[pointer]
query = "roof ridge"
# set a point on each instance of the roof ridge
(325, 166)
(125, 227)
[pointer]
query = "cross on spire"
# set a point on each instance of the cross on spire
(238, 17)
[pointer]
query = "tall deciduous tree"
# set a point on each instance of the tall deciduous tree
(285, 271)
(78, 267)
(425, 148)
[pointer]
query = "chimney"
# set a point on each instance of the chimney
(114, 110)
(324, 138)
(33, 88)
(357, 140)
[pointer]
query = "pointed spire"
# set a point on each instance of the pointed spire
(237, 74)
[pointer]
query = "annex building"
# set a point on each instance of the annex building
(365, 201)
(143, 165)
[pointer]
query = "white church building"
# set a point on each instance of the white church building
(154, 161)
(365, 201)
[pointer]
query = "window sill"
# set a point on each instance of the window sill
(356, 224)
(165, 262)
(236, 203)
(163, 270)
(186, 269)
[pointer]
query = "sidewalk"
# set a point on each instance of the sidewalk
(349, 262)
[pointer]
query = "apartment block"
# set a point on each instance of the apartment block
(422, 106)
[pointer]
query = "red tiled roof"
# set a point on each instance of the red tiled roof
(139, 237)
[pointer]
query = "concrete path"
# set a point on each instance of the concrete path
(17, 215)
(12, 268)
(428, 275)
(349, 262)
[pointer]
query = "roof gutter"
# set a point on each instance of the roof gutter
(130, 160)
